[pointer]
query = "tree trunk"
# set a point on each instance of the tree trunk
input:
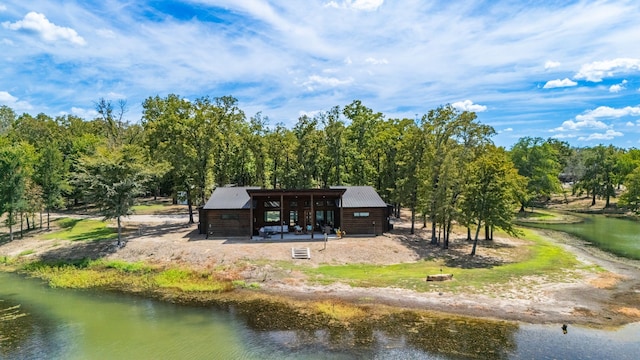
(413, 219)
(434, 238)
(190, 205)
(593, 199)
(475, 240)
(10, 219)
(119, 232)
(48, 220)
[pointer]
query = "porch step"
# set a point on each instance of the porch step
(300, 253)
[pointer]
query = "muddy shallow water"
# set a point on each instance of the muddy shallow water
(71, 324)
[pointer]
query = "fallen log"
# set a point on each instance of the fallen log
(440, 277)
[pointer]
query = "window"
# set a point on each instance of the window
(330, 217)
(230, 217)
(320, 217)
(361, 214)
(320, 203)
(293, 204)
(293, 217)
(272, 216)
(271, 204)
(331, 203)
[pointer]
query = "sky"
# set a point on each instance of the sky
(548, 68)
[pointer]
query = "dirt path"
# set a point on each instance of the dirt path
(607, 298)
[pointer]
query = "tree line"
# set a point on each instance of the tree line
(442, 165)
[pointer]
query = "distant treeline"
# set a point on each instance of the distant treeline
(443, 165)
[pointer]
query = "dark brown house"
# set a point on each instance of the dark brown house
(242, 211)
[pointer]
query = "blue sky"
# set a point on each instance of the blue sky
(564, 69)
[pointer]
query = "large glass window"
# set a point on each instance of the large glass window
(320, 217)
(272, 216)
(331, 218)
(270, 204)
(293, 217)
(361, 214)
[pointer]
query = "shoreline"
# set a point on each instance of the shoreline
(596, 299)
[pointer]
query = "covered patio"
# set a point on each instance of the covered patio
(296, 214)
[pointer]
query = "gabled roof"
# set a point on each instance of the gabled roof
(360, 197)
(229, 198)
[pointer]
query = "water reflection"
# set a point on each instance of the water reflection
(65, 324)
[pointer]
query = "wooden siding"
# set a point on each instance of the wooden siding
(219, 227)
(364, 225)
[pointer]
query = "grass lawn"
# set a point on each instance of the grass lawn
(82, 230)
(542, 258)
(148, 209)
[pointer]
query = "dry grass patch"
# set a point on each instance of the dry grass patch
(606, 280)
(340, 310)
(629, 311)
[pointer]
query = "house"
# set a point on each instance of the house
(242, 211)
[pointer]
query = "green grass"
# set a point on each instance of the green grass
(136, 276)
(82, 230)
(148, 209)
(26, 252)
(543, 258)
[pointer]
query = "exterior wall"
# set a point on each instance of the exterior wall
(364, 225)
(223, 223)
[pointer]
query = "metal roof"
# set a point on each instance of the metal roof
(229, 198)
(360, 197)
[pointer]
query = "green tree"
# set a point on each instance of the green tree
(537, 161)
(491, 191)
(173, 135)
(410, 150)
(112, 179)
(359, 139)
(599, 176)
(451, 138)
(631, 197)
(15, 169)
(7, 118)
(51, 175)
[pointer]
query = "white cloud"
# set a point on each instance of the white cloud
(618, 87)
(564, 136)
(314, 80)
(115, 95)
(609, 112)
(630, 124)
(598, 70)
(366, 5)
(571, 125)
(38, 23)
(508, 130)
(566, 82)
(375, 61)
(13, 102)
(551, 64)
(87, 114)
(3, 7)
(106, 33)
(468, 105)
(608, 135)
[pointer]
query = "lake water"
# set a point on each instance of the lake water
(72, 324)
(619, 236)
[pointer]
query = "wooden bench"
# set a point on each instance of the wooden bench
(300, 253)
